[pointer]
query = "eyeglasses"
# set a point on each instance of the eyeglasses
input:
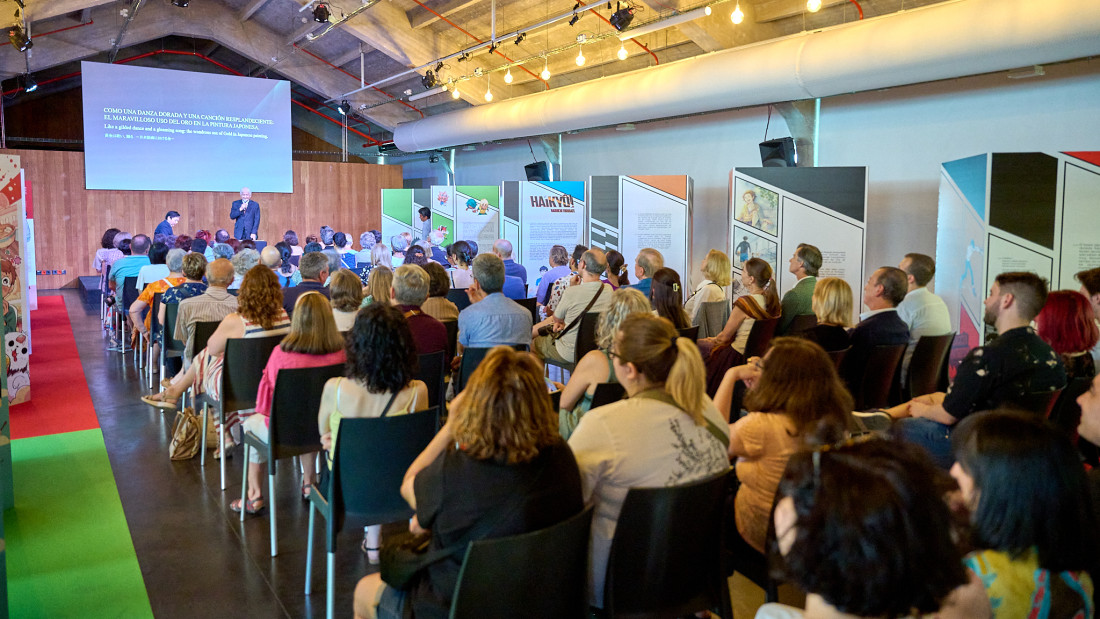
(611, 353)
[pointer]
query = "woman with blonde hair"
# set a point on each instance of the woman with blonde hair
(378, 288)
(667, 433)
(596, 366)
(346, 295)
(499, 459)
(313, 341)
(832, 304)
(716, 276)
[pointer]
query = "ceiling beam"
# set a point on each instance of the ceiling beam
(302, 31)
(250, 9)
(420, 17)
(38, 10)
(774, 10)
(350, 55)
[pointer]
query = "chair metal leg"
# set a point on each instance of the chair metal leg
(202, 458)
(309, 544)
(271, 502)
(244, 480)
(330, 591)
(225, 454)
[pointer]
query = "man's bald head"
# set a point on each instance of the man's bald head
(220, 273)
(503, 248)
(270, 257)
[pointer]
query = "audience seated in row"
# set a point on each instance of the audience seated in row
(804, 264)
(587, 294)
(880, 325)
(616, 275)
(832, 305)
(438, 306)
(410, 291)
(492, 319)
(716, 276)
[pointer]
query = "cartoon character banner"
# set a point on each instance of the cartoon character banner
(470, 212)
(17, 343)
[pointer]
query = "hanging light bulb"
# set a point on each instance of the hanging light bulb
(706, 10)
(813, 6)
(489, 94)
(454, 93)
(738, 15)
(545, 70)
(580, 58)
(622, 52)
(508, 77)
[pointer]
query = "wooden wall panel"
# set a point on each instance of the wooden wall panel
(69, 220)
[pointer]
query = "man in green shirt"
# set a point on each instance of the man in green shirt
(804, 264)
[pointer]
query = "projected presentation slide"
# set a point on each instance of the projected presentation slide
(164, 130)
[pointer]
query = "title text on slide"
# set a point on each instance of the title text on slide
(119, 114)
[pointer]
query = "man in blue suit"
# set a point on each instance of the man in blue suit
(879, 326)
(246, 214)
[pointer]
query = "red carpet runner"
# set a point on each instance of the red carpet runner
(60, 401)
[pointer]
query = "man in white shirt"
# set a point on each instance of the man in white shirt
(924, 312)
(572, 304)
(1090, 287)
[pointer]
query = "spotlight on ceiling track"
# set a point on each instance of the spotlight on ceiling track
(19, 39)
(621, 18)
(576, 18)
(493, 48)
(28, 83)
(321, 12)
(813, 6)
(438, 68)
(181, 3)
(429, 80)
(464, 57)
(520, 37)
(344, 108)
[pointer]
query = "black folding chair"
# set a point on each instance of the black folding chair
(459, 298)
(927, 363)
(586, 341)
(532, 306)
(292, 428)
(452, 337)
(760, 337)
(873, 390)
(800, 323)
(432, 371)
(471, 358)
(607, 393)
(370, 459)
(495, 581)
(691, 333)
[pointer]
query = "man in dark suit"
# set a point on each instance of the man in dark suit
(880, 325)
(314, 268)
(165, 227)
(246, 214)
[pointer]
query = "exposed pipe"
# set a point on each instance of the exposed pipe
(859, 8)
(934, 42)
(81, 25)
(405, 103)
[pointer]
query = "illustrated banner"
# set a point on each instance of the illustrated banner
(539, 215)
(17, 342)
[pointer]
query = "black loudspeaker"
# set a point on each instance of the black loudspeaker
(778, 153)
(538, 171)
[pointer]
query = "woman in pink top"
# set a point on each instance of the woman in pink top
(313, 341)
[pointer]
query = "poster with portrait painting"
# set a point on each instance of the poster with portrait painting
(756, 206)
(748, 244)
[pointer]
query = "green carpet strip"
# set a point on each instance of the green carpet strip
(69, 551)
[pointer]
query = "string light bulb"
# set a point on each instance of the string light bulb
(454, 93)
(622, 52)
(489, 94)
(508, 77)
(545, 70)
(580, 58)
(813, 6)
(738, 15)
(706, 10)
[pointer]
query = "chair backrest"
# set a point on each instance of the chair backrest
(154, 309)
(129, 292)
(925, 366)
(712, 317)
(471, 358)
(607, 393)
(459, 298)
(531, 304)
(760, 336)
(838, 356)
(294, 406)
(666, 556)
(496, 578)
(432, 372)
(586, 335)
(878, 375)
(243, 368)
(171, 311)
(801, 322)
(294, 259)
(371, 457)
(452, 337)
(691, 333)
(555, 400)
(1038, 402)
(203, 331)
(1066, 413)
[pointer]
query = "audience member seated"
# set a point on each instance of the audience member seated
(559, 267)
(832, 305)
(327, 236)
(142, 319)
(1090, 287)
(514, 288)
(343, 247)
(313, 268)
(460, 259)
(378, 255)
(1089, 429)
(221, 250)
(399, 245)
(193, 270)
(199, 246)
(1066, 323)
(597, 367)
(290, 237)
(346, 293)
(222, 236)
(798, 401)
(1015, 364)
(311, 247)
(923, 312)
(864, 530)
(498, 460)
(667, 433)
(313, 341)
(243, 261)
(270, 258)
(409, 291)
(473, 248)
(1032, 520)
(107, 253)
(213, 305)
(235, 245)
(285, 269)
(727, 349)
(156, 269)
(880, 325)
(182, 242)
(645, 265)
(503, 249)
(804, 265)
(380, 381)
(557, 289)
(258, 315)
(366, 244)
(433, 251)
(416, 256)
(716, 276)
(588, 294)
(492, 319)
(616, 275)
(334, 261)
(667, 297)
(379, 286)
(130, 266)
(439, 284)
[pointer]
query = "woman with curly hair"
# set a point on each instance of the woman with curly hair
(498, 460)
(380, 381)
(259, 313)
(596, 366)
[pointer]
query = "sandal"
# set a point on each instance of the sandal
(373, 556)
(251, 506)
(166, 382)
(226, 445)
(158, 400)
